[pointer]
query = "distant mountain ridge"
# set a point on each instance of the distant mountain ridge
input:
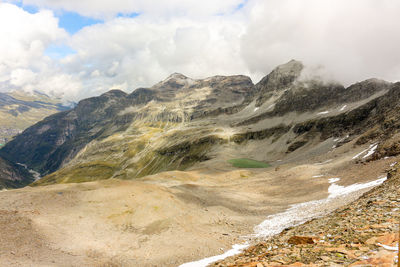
(19, 110)
(182, 123)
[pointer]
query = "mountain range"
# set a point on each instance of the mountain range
(182, 123)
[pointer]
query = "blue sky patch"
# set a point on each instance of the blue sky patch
(241, 5)
(129, 15)
(27, 8)
(59, 51)
(73, 22)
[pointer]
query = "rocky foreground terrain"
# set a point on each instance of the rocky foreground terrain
(362, 233)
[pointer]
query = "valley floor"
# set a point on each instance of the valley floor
(165, 219)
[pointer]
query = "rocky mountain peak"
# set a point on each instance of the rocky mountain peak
(293, 67)
(173, 82)
(176, 76)
(114, 93)
(280, 78)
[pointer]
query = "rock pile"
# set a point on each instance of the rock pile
(363, 233)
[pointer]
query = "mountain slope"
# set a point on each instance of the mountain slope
(182, 123)
(57, 139)
(13, 175)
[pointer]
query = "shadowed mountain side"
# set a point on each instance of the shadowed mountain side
(13, 175)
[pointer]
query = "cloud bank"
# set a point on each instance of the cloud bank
(353, 40)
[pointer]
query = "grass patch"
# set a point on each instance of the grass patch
(248, 163)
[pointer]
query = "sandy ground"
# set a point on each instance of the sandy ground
(161, 220)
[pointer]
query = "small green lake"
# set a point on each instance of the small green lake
(248, 163)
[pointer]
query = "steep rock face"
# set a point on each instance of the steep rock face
(313, 95)
(13, 175)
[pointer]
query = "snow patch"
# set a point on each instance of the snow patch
(394, 163)
(396, 248)
(318, 176)
(255, 109)
(335, 190)
(359, 154)
(270, 106)
(236, 249)
(371, 150)
(300, 213)
(343, 107)
(333, 180)
(323, 112)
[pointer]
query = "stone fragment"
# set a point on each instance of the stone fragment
(301, 240)
(388, 239)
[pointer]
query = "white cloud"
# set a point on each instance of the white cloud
(354, 40)
(138, 52)
(154, 8)
(21, 77)
(23, 64)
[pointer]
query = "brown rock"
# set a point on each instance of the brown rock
(388, 239)
(297, 264)
(253, 264)
(371, 241)
(301, 240)
(349, 253)
(382, 259)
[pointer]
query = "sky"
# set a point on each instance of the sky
(80, 48)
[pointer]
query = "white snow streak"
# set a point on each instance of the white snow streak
(396, 248)
(333, 180)
(371, 150)
(236, 249)
(338, 190)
